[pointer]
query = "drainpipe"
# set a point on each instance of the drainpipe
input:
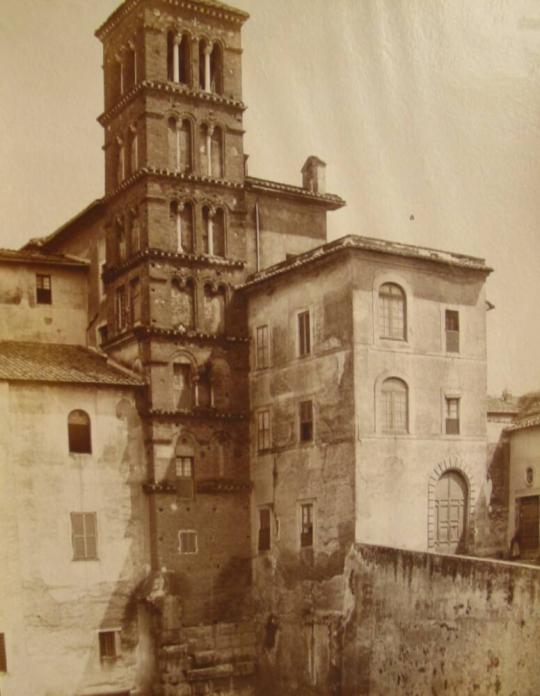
(257, 236)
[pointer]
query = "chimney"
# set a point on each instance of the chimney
(314, 175)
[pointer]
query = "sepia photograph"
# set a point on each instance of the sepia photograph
(269, 348)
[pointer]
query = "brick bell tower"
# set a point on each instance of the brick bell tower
(176, 247)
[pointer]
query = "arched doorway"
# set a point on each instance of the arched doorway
(451, 504)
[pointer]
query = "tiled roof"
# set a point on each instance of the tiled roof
(368, 244)
(525, 423)
(502, 404)
(33, 256)
(330, 199)
(37, 243)
(53, 362)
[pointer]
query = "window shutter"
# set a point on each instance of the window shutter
(3, 656)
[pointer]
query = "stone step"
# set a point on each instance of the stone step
(206, 673)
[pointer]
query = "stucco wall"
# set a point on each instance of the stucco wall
(62, 321)
(57, 605)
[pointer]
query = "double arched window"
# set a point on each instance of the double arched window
(392, 312)
(394, 406)
(79, 433)
(178, 58)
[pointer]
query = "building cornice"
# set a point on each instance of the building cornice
(198, 413)
(169, 88)
(208, 8)
(329, 200)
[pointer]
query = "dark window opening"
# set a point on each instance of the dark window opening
(306, 421)
(187, 541)
(263, 431)
(79, 435)
(452, 331)
(306, 534)
(3, 654)
(182, 389)
(135, 301)
(216, 70)
(103, 334)
(184, 477)
(43, 289)
(304, 334)
(107, 645)
(452, 416)
(264, 529)
(262, 347)
(84, 536)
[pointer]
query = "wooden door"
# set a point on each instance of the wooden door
(529, 523)
(450, 513)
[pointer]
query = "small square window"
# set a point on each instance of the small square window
(306, 421)
(187, 541)
(107, 645)
(452, 416)
(263, 431)
(43, 289)
(264, 529)
(3, 654)
(304, 334)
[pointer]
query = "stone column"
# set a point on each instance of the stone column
(207, 54)
(176, 58)
(209, 133)
(179, 209)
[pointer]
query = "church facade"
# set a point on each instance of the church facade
(262, 398)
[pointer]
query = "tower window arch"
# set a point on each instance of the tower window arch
(131, 66)
(181, 215)
(179, 139)
(214, 301)
(121, 241)
(183, 303)
(216, 153)
(182, 383)
(178, 58)
(79, 432)
(133, 159)
(216, 69)
(213, 231)
(120, 163)
(395, 406)
(392, 312)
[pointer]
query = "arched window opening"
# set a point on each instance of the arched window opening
(135, 231)
(392, 312)
(214, 310)
(184, 60)
(172, 143)
(216, 150)
(218, 233)
(395, 406)
(182, 304)
(117, 80)
(216, 69)
(182, 385)
(204, 389)
(79, 435)
(204, 150)
(183, 147)
(121, 240)
(181, 215)
(171, 36)
(451, 509)
(133, 150)
(204, 58)
(131, 67)
(120, 161)
(221, 383)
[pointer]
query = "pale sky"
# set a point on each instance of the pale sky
(428, 108)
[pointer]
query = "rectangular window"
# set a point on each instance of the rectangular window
(121, 308)
(306, 421)
(135, 301)
(451, 319)
(263, 431)
(304, 334)
(184, 477)
(3, 654)
(262, 347)
(452, 416)
(84, 535)
(187, 541)
(43, 289)
(107, 645)
(264, 529)
(306, 532)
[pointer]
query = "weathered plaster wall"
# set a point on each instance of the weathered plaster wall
(396, 473)
(57, 605)
(22, 319)
(416, 623)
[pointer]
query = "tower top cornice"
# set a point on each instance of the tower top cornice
(211, 8)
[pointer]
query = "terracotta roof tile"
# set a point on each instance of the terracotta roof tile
(53, 362)
(35, 256)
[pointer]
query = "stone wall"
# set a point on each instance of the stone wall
(416, 623)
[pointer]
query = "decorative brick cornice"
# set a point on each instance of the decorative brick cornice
(168, 88)
(176, 259)
(199, 413)
(209, 8)
(202, 486)
(190, 334)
